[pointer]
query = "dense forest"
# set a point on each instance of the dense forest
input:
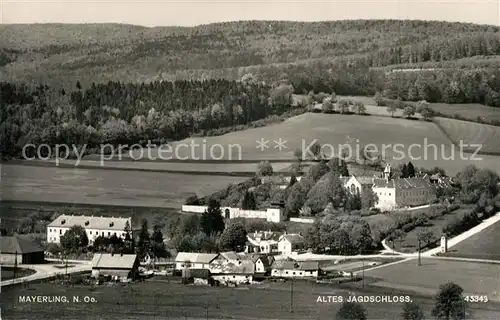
(120, 113)
(114, 83)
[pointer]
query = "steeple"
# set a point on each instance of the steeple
(387, 172)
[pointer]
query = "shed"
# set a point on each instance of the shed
(122, 266)
(20, 249)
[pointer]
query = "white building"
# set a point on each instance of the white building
(94, 226)
(274, 213)
(262, 263)
(191, 260)
(394, 192)
(239, 272)
(289, 243)
(292, 269)
(263, 242)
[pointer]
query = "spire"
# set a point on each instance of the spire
(387, 172)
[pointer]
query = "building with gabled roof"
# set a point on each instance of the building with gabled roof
(20, 250)
(292, 269)
(119, 266)
(94, 226)
(290, 242)
(263, 242)
(395, 192)
(192, 260)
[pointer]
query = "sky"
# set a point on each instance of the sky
(189, 13)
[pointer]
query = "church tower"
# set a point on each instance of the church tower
(387, 172)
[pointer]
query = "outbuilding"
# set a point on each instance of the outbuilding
(20, 250)
(118, 266)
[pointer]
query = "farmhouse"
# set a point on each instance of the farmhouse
(241, 272)
(94, 226)
(263, 242)
(394, 192)
(118, 266)
(292, 269)
(289, 243)
(197, 276)
(19, 250)
(262, 264)
(190, 260)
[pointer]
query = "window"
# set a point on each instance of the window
(109, 233)
(60, 231)
(286, 272)
(91, 232)
(50, 230)
(102, 233)
(234, 277)
(293, 273)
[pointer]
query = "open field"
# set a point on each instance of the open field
(155, 299)
(113, 187)
(474, 278)
(483, 245)
(468, 111)
(194, 167)
(410, 243)
(300, 131)
(472, 133)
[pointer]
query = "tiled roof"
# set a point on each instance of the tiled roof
(265, 235)
(284, 264)
(231, 255)
(293, 238)
(18, 244)
(365, 180)
(91, 222)
(115, 261)
(308, 265)
(406, 183)
(240, 267)
(196, 257)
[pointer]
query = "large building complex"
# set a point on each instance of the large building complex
(94, 226)
(394, 192)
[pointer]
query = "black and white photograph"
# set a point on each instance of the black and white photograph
(250, 159)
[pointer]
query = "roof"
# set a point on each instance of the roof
(264, 235)
(91, 222)
(293, 238)
(241, 267)
(196, 257)
(19, 245)
(284, 264)
(406, 183)
(114, 261)
(308, 265)
(365, 180)
(231, 255)
(267, 260)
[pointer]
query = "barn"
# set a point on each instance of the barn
(118, 266)
(20, 250)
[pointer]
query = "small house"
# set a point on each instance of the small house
(236, 273)
(191, 260)
(118, 266)
(289, 243)
(292, 269)
(262, 263)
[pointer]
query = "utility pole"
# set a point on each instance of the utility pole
(363, 273)
(291, 297)
(419, 259)
(206, 310)
(15, 266)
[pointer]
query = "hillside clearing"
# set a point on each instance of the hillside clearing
(113, 187)
(472, 133)
(333, 129)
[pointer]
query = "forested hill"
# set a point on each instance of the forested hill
(62, 54)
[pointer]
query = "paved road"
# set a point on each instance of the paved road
(46, 271)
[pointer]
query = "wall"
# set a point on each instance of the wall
(302, 220)
(294, 273)
(10, 258)
(271, 214)
(236, 278)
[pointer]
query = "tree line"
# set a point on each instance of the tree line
(118, 113)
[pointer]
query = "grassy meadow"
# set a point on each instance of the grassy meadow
(335, 129)
(474, 278)
(157, 298)
(483, 245)
(106, 187)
